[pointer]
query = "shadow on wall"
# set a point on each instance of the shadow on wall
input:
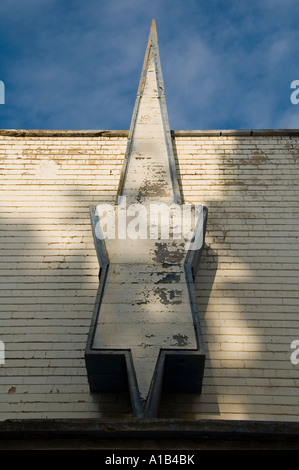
(246, 282)
(186, 405)
(48, 284)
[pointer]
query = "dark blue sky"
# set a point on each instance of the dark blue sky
(73, 64)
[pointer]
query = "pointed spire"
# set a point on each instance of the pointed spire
(149, 165)
(153, 27)
(135, 312)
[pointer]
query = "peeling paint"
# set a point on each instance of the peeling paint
(293, 151)
(169, 296)
(257, 158)
(151, 189)
(167, 256)
(181, 340)
(168, 278)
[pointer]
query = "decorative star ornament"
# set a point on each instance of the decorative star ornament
(145, 334)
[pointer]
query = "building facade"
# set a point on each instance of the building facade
(246, 285)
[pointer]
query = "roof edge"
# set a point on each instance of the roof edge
(148, 428)
(125, 133)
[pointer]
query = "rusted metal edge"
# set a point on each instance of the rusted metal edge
(125, 133)
(149, 429)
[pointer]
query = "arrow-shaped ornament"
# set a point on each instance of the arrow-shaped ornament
(145, 333)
